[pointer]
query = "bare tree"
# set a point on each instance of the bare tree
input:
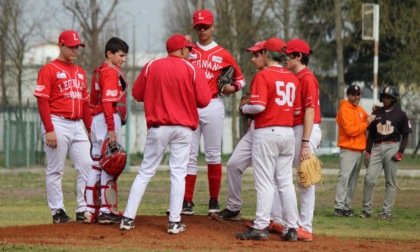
(339, 49)
(4, 29)
(95, 25)
(18, 28)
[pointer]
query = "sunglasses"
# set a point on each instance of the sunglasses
(202, 27)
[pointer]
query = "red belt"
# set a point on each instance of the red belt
(386, 142)
(214, 96)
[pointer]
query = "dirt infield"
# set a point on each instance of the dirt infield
(201, 234)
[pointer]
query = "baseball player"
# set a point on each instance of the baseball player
(352, 121)
(108, 103)
(241, 159)
(272, 104)
(306, 127)
(171, 88)
(63, 102)
(211, 57)
(387, 140)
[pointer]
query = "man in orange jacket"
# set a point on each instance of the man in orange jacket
(352, 121)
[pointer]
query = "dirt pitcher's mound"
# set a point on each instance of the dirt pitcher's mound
(202, 234)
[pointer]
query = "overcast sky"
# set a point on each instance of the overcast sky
(148, 19)
(145, 16)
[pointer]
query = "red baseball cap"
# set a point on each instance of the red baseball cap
(298, 45)
(177, 42)
(70, 38)
(203, 17)
(257, 47)
(275, 45)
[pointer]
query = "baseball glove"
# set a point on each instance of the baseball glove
(225, 78)
(310, 171)
(244, 100)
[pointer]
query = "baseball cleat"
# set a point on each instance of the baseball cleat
(253, 234)
(291, 235)
(213, 206)
(187, 208)
(226, 214)
(85, 217)
(303, 235)
(127, 223)
(108, 218)
(175, 227)
(61, 217)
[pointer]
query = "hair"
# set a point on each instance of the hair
(114, 45)
(276, 56)
(305, 57)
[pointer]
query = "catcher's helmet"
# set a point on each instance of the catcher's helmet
(389, 91)
(113, 158)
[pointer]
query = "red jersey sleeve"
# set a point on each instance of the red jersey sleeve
(139, 84)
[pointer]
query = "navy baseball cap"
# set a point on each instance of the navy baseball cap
(353, 89)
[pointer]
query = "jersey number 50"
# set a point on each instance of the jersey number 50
(286, 93)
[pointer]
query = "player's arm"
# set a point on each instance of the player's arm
(140, 84)
(349, 126)
(238, 79)
(110, 91)
(308, 123)
(87, 115)
(45, 114)
(201, 87)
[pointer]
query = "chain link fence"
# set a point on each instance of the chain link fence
(23, 145)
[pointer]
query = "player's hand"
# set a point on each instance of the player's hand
(366, 160)
(189, 38)
(397, 157)
(51, 139)
(305, 152)
(375, 107)
(112, 136)
(229, 89)
(371, 118)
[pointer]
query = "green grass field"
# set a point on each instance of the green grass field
(23, 201)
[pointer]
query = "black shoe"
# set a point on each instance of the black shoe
(291, 235)
(348, 213)
(227, 214)
(338, 213)
(364, 214)
(187, 208)
(108, 218)
(253, 234)
(127, 224)
(213, 206)
(85, 217)
(384, 216)
(61, 217)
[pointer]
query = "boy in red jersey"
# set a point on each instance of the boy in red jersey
(211, 57)
(63, 102)
(273, 105)
(306, 127)
(171, 89)
(108, 96)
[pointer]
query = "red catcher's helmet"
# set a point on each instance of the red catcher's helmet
(113, 158)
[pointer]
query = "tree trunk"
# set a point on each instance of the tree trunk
(339, 43)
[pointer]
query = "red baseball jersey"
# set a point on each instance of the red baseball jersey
(275, 89)
(108, 85)
(172, 89)
(212, 58)
(64, 85)
(309, 95)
